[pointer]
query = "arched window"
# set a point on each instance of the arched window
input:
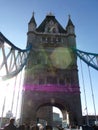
(54, 30)
(51, 80)
(48, 29)
(41, 81)
(62, 81)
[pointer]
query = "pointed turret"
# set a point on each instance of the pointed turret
(70, 26)
(70, 29)
(32, 24)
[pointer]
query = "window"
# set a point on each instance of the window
(54, 80)
(59, 39)
(41, 81)
(54, 30)
(62, 81)
(54, 40)
(48, 29)
(49, 39)
(38, 61)
(51, 80)
(43, 39)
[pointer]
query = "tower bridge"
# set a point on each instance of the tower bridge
(50, 70)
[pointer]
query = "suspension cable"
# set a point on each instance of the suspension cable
(3, 107)
(18, 93)
(86, 108)
(13, 94)
(22, 101)
(92, 93)
(4, 103)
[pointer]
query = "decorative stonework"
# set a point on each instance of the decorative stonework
(51, 75)
(51, 27)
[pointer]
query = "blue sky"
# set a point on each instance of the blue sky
(15, 15)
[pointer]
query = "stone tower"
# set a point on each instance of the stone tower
(51, 74)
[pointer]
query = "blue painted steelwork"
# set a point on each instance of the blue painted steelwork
(91, 59)
(4, 39)
(13, 60)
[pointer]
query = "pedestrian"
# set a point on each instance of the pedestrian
(21, 127)
(11, 125)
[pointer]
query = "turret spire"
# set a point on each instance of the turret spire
(33, 19)
(70, 23)
(32, 24)
(69, 16)
(70, 26)
(33, 13)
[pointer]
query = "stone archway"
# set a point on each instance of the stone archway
(48, 107)
(36, 100)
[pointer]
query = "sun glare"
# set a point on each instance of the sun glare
(10, 96)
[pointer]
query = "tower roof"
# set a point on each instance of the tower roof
(32, 20)
(50, 17)
(70, 22)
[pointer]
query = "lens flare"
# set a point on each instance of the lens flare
(62, 57)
